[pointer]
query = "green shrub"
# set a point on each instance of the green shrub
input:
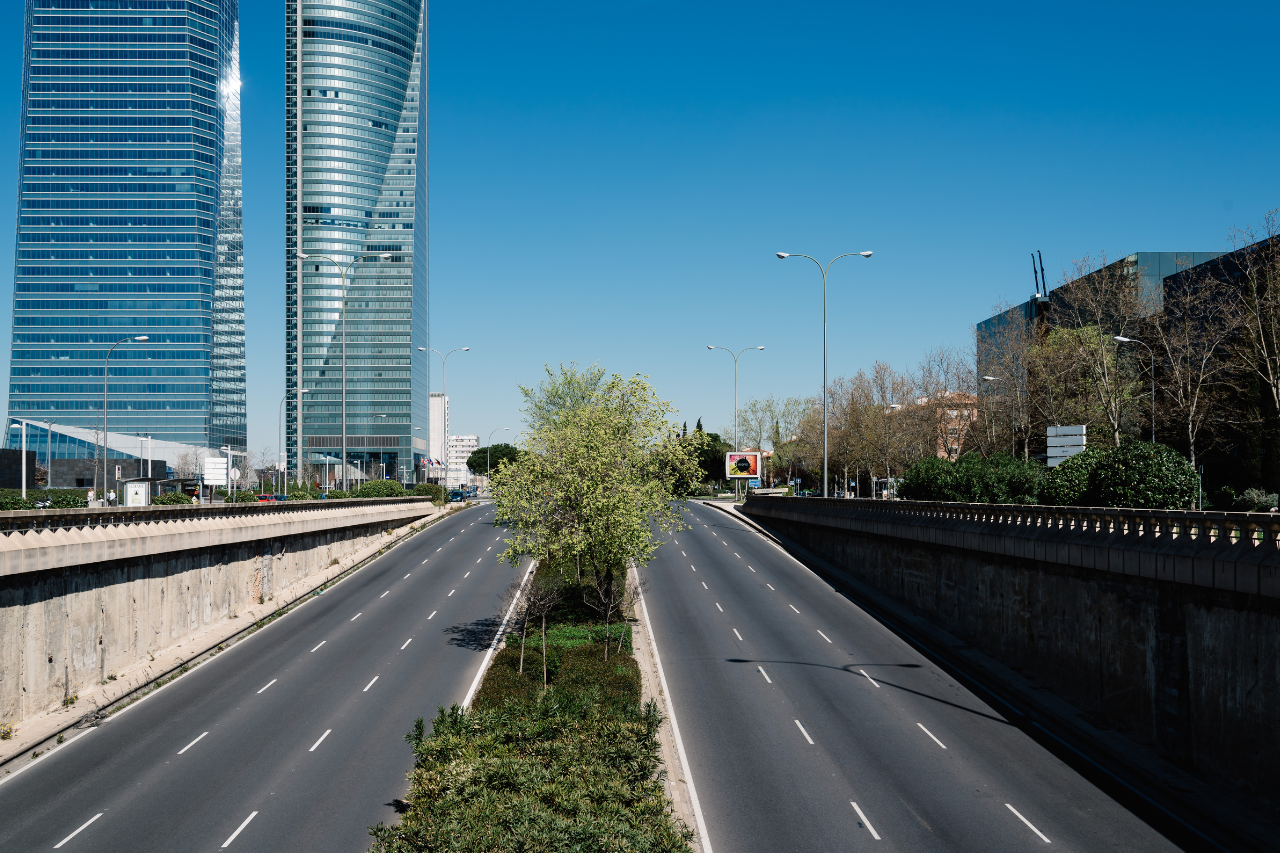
(998, 479)
(338, 494)
(1255, 500)
(1067, 484)
(380, 489)
(614, 683)
(435, 491)
(171, 499)
(246, 497)
(1142, 475)
(503, 682)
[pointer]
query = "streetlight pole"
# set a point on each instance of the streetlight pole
(22, 425)
(1013, 436)
(106, 363)
(280, 438)
(737, 439)
(488, 454)
(784, 256)
(48, 455)
(1124, 340)
(382, 466)
(444, 381)
(342, 318)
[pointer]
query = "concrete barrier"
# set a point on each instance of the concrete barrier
(1162, 624)
(88, 593)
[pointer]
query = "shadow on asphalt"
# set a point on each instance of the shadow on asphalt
(475, 635)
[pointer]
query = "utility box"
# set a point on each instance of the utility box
(137, 493)
(1065, 442)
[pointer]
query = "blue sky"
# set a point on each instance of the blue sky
(609, 182)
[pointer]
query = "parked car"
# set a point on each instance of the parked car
(456, 495)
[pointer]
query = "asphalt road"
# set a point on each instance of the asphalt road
(293, 738)
(794, 705)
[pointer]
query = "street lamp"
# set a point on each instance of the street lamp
(280, 437)
(737, 439)
(1013, 447)
(342, 317)
(381, 465)
(22, 425)
(48, 456)
(105, 366)
(784, 256)
(488, 453)
(1123, 340)
(444, 381)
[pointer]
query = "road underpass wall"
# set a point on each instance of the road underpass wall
(1164, 625)
(104, 590)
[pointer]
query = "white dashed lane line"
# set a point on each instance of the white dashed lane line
(384, 595)
(269, 683)
(793, 607)
(241, 827)
(406, 644)
(704, 585)
(824, 636)
(1028, 823)
(869, 678)
(718, 607)
(736, 634)
(193, 743)
(864, 820)
(803, 732)
(770, 586)
(354, 618)
(320, 741)
(322, 642)
(930, 734)
(433, 613)
(82, 829)
(770, 680)
(370, 684)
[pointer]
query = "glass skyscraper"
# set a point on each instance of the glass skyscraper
(129, 212)
(356, 188)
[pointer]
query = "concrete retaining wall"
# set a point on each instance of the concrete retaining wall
(1190, 668)
(78, 604)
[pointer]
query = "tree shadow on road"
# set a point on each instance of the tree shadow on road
(477, 635)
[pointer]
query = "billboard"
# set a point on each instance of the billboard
(743, 466)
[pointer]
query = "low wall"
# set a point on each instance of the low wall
(86, 593)
(1163, 625)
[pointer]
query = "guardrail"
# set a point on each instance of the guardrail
(61, 519)
(1226, 550)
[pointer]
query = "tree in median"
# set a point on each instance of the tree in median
(600, 471)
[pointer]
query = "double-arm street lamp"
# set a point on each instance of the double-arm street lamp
(784, 256)
(1123, 340)
(342, 318)
(737, 439)
(444, 408)
(105, 369)
(280, 438)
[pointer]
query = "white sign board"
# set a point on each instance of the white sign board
(215, 471)
(1065, 442)
(137, 494)
(235, 473)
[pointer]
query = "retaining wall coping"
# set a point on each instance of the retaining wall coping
(1236, 551)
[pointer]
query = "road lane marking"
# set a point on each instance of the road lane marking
(451, 592)
(322, 642)
(451, 538)
(354, 618)
(675, 730)
(750, 568)
(78, 831)
(824, 636)
(496, 538)
(718, 607)
(193, 743)
(683, 554)
(370, 684)
(437, 551)
(930, 734)
(736, 554)
(384, 595)
(433, 613)
(692, 567)
(704, 585)
(269, 683)
(869, 678)
(406, 577)
(317, 743)
(803, 732)
(406, 643)
(1028, 823)
(467, 575)
(480, 559)
(864, 820)
(793, 607)
(713, 533)
(251, 816)
(736, 634)
(770, 680)
(770, 586)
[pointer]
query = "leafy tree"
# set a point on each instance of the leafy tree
(563, 391)
(710, 455)
(1145, 475)
(480, 461)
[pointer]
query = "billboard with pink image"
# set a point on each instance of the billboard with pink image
(744, 465)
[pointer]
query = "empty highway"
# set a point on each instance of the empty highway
(292, 739)
(809, 726)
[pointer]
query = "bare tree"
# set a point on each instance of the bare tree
(540, 598)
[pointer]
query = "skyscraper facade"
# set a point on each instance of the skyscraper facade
(129, 211)
(356, 234)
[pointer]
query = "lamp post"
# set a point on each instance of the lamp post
(22, 425)
(1013, 447)
(737, 439)
(382, 465)
(105, 367)
(784, 256)
(280, 437)
(1124, 340)
(48, 456)
(342, 318)
(444, 381)
(488, 454)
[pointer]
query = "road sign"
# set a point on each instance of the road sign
(117, 472)
(235, 473)
(215, 471)
(753, 484)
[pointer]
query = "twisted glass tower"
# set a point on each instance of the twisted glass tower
(356, 189)
(129, 210)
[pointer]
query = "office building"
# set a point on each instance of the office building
(129, 209)
(460, 449)
(355, 202)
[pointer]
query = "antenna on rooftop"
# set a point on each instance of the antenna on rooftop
(1042, 278)
(1034, 273)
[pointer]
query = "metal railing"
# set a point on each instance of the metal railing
(61, 519)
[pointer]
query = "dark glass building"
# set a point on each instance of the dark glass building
(356, 189)
(129, 210)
